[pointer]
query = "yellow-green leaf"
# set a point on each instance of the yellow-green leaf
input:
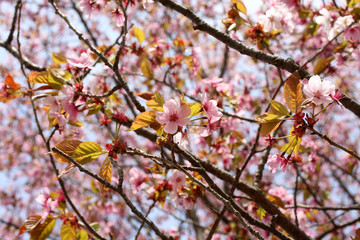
(261, 213)
(58, 58)
(239, 5)
(143, 119)
(278, 108)
(39, 77)
(293, 92)
(42, 231)
(154, 105)
(67, 232)
(82, 235)
(267, 128)
(105, 172)
(94, 109)
(87, 152)
(95, 226)
(294, 144)
(67, 146)
(322, 64)
(146, 69)
(352, 3)
(276, 200)
(196, 108)
(159, 99)
(139, 34)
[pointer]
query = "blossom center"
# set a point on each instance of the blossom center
(173, 117)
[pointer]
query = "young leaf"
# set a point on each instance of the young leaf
(196, 108)
(82, 235)
(105, 172)
(239, 5)
(278, 108)
(146, 69)
(67, 146)
(294, 144)
(67, 232)
(30, 223)
(10, 83)
(87, 152)
(139, 34)
(68, 169)
(58, 58)
(276, 200)
(42, 231)
(143, 119)
(267, 128)
(159, 99)
(322, 64)
(145, 95)
(293, 92)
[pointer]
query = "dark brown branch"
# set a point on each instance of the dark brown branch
(13, 24)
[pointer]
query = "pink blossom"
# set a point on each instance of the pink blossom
(177, 180)
(319, 91)
(182, 139)
(174, 115)
(277, 160)
(83, 62)
(47, 203)
(68, 103)
(210, 127)
(277, 18)
(340, 25)
(352, 34)
(324, 19)
(53, 103)
(336, 96)
(137, 179)
(119, 17)
(210, 108)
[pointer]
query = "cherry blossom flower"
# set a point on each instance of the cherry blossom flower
(68, 103)
(277, 160)
(119, 17)
(137, 179)
(324, 19)
(47, 203)
(174, 115)
(177, 180)
(84, 61)
(352, 34)
(182, 139)
(340, 25)
(336, 96)
(277, 18)
(319, 91)
(210, 107)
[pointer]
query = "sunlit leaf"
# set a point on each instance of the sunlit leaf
(143, 119)
(146, 69)
(96, 226)
(267, 128)
(293, 92)
(352, 3)
(145, 95)
(67, 232)
(10, 83)
(82, 235)
(261, 213)
(239, 5)
(58, 58)
(30, 223)
(139, 34)
(67, 146)
(278, 108)
(68, 169)
(196, 108)
(87, 152)
(276, 200)
(42, 231)
(294, 144)
(105, 172)
(322, 64)
(159, 99)
(93, 109)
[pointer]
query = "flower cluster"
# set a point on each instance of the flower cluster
(278, 17)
